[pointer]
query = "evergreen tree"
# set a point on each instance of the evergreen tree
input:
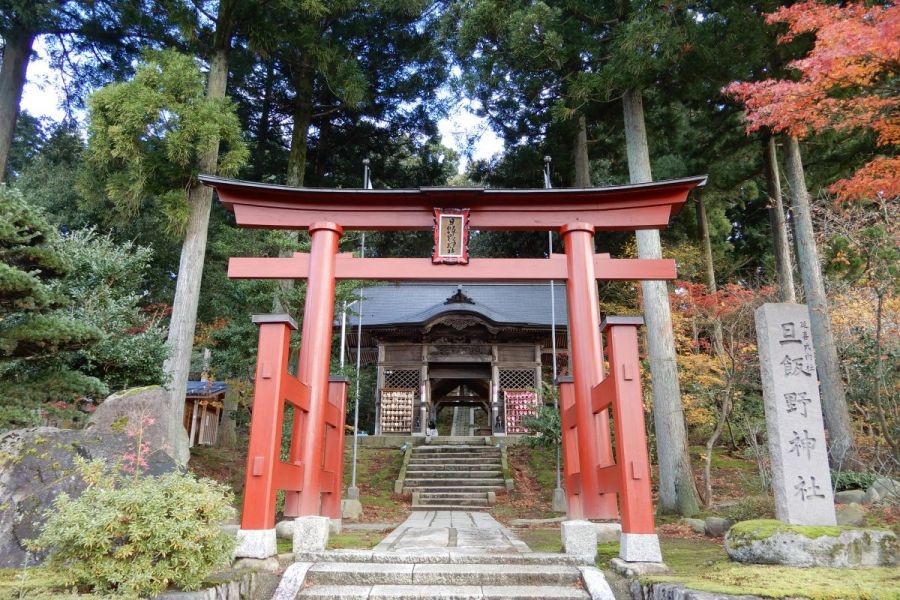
(35, 330)
(92, 40)
(149, 137)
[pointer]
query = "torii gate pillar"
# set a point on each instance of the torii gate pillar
(313, 367)
(595, 449)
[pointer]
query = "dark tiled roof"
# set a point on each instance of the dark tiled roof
(500, 303)
(205, 388)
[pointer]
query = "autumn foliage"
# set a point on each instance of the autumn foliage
(848, 81)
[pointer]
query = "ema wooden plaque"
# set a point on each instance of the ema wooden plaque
(451, 236)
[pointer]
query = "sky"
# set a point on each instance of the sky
(43, 95)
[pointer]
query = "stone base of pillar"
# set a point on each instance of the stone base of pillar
(311, 534)
(640, 547)
(637, 569)
(579, 537)
(335, 526)
(351, 508)
(559, 501)
(256, 543)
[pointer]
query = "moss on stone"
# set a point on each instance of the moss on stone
(747, 531)
(772, 581)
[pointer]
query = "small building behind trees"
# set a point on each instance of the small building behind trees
(203, 406)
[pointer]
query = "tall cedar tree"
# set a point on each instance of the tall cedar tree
(34, 330)
(149, 137)
(92, 40)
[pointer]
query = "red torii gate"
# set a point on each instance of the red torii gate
(312, 475)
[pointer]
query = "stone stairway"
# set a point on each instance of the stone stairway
(453, 475)
(444, 555)
(444, 581)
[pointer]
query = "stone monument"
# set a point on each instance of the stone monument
(801, 478)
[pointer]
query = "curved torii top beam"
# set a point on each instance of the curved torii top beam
(613, 208)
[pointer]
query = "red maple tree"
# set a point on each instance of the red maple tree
(847, 81)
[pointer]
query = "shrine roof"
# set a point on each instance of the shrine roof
(647, 205)
(205, 388)
(500, 303)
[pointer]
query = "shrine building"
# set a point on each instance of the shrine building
(482, 348)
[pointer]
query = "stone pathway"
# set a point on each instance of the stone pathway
(476, 532)
(444, 555)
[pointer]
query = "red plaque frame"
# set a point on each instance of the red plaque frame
(450, 215)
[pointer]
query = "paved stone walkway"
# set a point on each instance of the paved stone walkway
(461, 531)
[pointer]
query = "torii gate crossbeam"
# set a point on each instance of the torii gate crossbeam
(311, 478)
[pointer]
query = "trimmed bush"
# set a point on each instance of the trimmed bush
(136, 536)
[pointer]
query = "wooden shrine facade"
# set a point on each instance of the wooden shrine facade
(598, 483)
(444, 346)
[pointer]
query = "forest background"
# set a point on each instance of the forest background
(114, 258)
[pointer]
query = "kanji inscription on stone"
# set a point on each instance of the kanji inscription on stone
(801, 478)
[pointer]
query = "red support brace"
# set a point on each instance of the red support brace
(594, 447)
(334, 446)
(569, 431)
(266, 474)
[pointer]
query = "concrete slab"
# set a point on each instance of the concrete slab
(536, 592)
(340, 573)
(417, 592)
(337, 592)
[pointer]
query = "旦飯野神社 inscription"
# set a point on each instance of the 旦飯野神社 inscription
(801, 478)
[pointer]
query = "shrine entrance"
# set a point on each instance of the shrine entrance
(598, 483)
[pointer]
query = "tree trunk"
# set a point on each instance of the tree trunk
(703, 226)
(834, 402)
(303, 105)
(580, 155)
(264, 126)
(677, 491)
(16, 53)
(784, 272)
(228, 429)
(296, 169)
(190, 268)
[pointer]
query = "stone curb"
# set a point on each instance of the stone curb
(595, 584)
(291, 581)
(676, 591)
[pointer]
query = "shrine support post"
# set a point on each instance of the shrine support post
(630, 476)
(265, 473)
(569, 439)
(594, 447)
(313, 365)
(333, 471)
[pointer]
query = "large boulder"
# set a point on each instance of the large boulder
(850, 497)
(776, 543)
(38, 464)
(887, 490)
(126, 409)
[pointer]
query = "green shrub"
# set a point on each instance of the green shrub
(751, 508)
(136, 536)
(852, 480)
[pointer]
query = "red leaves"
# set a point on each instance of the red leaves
(844, 83)
(694, 299)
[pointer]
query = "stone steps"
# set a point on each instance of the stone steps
(453, 476)
(439, 474)
(442, 592)
(447, 482)
(462, 499)
(447, 556)
(443, 581)
(436, 506)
